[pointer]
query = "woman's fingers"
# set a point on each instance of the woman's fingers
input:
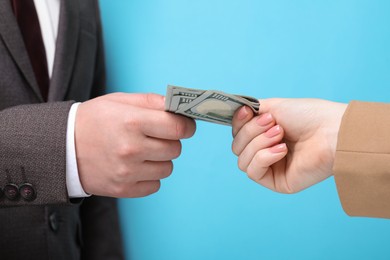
(255, 127)
(240, 118)
(263, 141)
(259, 169)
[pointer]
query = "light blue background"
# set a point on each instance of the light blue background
(208, 209)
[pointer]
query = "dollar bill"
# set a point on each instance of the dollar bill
(208, 105)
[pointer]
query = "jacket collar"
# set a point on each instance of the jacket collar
(9, 31)
(66, 47)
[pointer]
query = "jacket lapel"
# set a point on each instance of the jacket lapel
(66, 47)
(13, 40)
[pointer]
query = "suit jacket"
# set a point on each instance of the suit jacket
(33, 139)
(362, 162)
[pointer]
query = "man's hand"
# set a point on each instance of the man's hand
(125, 143)
(291, 145)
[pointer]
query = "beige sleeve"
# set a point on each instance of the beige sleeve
(362, 163)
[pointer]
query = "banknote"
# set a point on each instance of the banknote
(208, 105)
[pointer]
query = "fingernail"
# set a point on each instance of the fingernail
(278, 148)
(243, 113)
(264, 119)
(275, 130)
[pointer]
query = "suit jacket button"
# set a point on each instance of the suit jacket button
(54, 221)
(27, 191)
(11, 191)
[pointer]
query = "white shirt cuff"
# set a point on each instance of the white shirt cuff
(73, 184)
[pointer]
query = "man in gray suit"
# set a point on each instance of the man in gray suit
(123, 144)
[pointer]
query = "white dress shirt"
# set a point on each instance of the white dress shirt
(48, 12)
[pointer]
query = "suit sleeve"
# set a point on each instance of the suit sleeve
(362, 162)
(32, 151)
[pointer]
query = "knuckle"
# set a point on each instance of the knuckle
(286, 190)
(120, 191)
(151, 188)
(241, 164)
(123, 151)
(251, 175)
(148, 97)
(128, 150)
(184, 127)
(151, 98)
(155, 187)
(180, 129)
(122, 173)
(254, 174)
(246, 131)
(132, 123)
(166, 170)
(258, 157)
(235, 149)
(176, 149)
(234, 131)
(191, 128)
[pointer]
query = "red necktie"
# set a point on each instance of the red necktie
(28, 22)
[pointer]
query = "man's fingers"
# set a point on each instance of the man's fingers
(159, 150)
(149, 100)
(154, 171)
(164, 125)
(240, 118)
(142, 189)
